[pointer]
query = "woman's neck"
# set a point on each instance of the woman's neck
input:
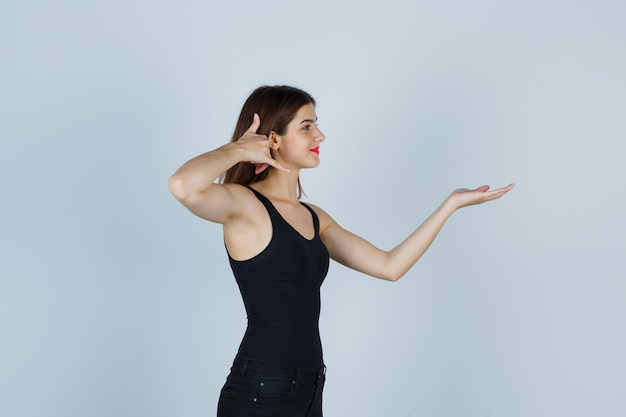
(280, 185)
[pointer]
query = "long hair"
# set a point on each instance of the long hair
(276, 107)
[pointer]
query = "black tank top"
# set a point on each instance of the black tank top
(280, 288)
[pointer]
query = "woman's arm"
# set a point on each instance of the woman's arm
(194, 182)
(358, 254)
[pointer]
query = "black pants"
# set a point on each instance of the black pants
(256, 389)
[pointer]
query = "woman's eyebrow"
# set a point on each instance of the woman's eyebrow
(309, 121)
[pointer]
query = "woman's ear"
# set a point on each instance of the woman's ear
(273, 138)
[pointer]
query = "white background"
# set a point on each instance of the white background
(116, 302)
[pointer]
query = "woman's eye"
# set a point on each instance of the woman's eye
(306, 127)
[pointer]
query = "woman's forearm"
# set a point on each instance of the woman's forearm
(406, 254)
(401, 258)
(199, 174)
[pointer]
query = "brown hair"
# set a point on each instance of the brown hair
(276, 107)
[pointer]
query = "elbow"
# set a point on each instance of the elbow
(391, 270)
(392, 276)
(176, 185)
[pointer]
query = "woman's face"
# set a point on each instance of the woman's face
(299, 146)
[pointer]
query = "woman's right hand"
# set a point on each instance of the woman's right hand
(257, 148)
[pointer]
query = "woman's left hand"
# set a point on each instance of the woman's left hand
(464, 197)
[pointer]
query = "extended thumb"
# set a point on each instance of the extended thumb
(256, 122)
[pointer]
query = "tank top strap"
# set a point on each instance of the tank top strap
(266, 202)
(274, 214)
(316, 220)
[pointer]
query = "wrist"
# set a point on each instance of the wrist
(234, 152)
(449, 206)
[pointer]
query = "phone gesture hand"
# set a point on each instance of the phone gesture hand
(257, 148)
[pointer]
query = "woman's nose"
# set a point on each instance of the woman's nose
(320, 136)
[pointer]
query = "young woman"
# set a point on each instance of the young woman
(279, 248)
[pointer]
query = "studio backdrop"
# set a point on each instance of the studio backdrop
(117, 302)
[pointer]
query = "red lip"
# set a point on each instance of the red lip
(316, 150)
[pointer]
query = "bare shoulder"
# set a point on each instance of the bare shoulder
(325, 219)
(248, 204)
(237, 191)
(222, 203)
